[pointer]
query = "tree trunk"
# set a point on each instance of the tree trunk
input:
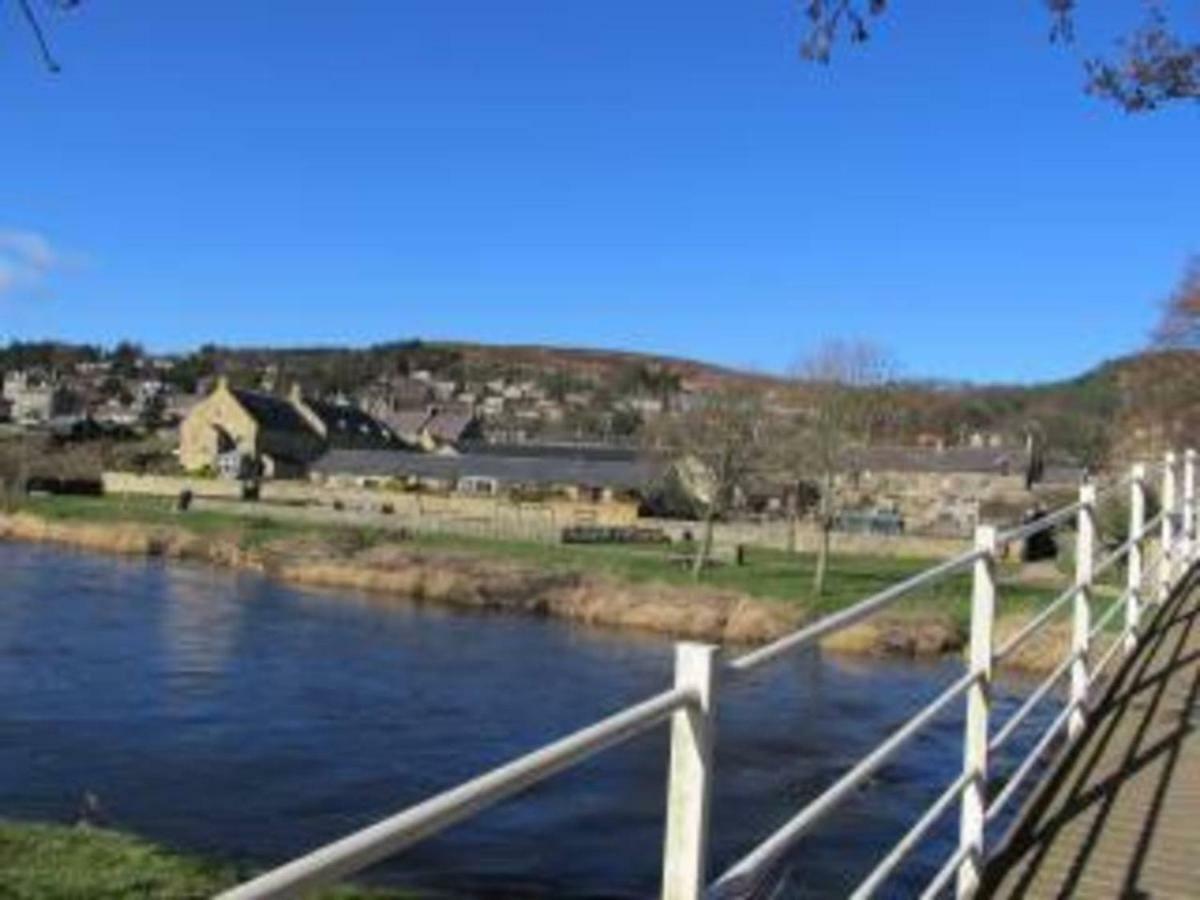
(822, 557)
(704, 551)
(793, 522)
(826, 525)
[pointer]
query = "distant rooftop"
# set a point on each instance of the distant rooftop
(619, 474)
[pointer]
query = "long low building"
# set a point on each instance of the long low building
(493, 473)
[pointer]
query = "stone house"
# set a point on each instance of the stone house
(37, 398)
(395, 392)
(649, 407)
(243, 433)
(949, 490)
(434, 428)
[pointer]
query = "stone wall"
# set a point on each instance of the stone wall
(502, 518)
(498, 515)
(168, 485)
(727, 535)
(940, 503)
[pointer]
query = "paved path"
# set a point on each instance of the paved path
(1121, 817)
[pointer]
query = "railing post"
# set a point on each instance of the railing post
(975, 745)
(685, 855)
(1085, 544)
(1133, 567)
(1166, 548)
(1189, 510)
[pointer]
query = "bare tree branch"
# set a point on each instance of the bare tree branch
(1155, 66)
(39, 34)
(1179, 326)
(835, 393)
(716, 444)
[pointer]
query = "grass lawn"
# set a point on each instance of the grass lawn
(768, 574)
(57, 862)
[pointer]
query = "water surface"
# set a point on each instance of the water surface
(225, 714)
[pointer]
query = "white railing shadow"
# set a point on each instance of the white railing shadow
(690, 706)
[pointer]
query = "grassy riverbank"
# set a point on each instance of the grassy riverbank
(57, 862)
(624, 586)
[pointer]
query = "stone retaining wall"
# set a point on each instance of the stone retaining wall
(499, 517)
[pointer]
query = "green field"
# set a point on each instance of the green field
(57, 862)
(768, 573)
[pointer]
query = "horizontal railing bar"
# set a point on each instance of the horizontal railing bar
(853, 614)
(350, 854)
(1123, 549)
(1115, 607)
(1019, 532)
(946, 872)
(1152, 523)
(1014, 721)
(902, 848)
(1030, 761)
(1113, 558)
(1034, 624)
(774, 846)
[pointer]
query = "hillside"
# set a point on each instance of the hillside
(615, 390)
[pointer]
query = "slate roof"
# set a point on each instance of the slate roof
(634, 474)
(1012, 460)
(596, 452)
(408, 422)
(450, 424)
(271, 412)
(349, 422)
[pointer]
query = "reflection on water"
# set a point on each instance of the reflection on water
(198, 635)
(228, 715)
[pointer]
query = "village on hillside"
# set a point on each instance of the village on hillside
(494, 442)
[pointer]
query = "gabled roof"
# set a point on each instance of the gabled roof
(344, 421)
(271, 412)
(450, 425)
(408, 423)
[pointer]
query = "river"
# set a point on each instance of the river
(225, 714)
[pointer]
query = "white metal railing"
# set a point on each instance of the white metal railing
(690, 706)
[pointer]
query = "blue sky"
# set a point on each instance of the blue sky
(659, 175)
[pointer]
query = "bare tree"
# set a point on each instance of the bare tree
(1154, 65)
(1179, 326)
(837, 399)
(1160, 388)
(716, 444)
